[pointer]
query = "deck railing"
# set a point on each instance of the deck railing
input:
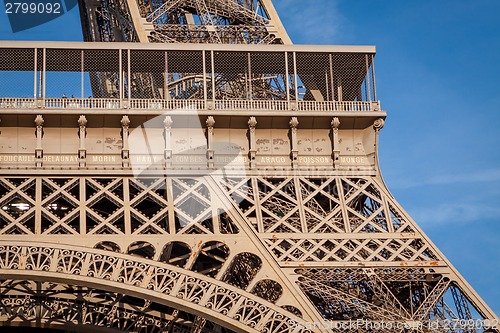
(185, 104)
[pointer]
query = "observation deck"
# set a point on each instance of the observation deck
(263, 100)
(51, 77)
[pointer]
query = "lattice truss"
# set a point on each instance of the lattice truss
(318, 230)
(180, 21)
(342, 222)
(392, 299)
(335, 219)
(66, 306)
(175, 221)
(112, 206)
(208, 21)
(259, 76)
(107, 21)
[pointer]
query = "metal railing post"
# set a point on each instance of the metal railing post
(35, 69)
(129, 79)
(368, 90)
(332, 82)
(287, 87)
(44, 75)
(373, 79)
(83, 75)
(212, 62)
(204, 79)
(166, 91)
(120, 76)
(296, 77)
(249, 67)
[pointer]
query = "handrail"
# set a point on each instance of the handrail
(187, 104)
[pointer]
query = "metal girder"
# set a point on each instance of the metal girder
(62, 305)
(147, 280)
(303, 233)
(430, 301)
(347, 305)
(220, 21)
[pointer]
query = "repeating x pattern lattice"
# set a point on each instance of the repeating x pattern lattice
(164, 282)
(106, 206)
(167, 19)
(331, 219)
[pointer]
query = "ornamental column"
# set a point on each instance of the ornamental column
(125, 148)
(39, 135)
(294, 123)
(82, 134)
(167, 154)
(210, 138)
(336, 142)
(252, 122)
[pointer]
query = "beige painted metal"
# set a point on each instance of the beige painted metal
(221, 21)
(275, 19)
(137, 21)
(245, 197)
(296, 219)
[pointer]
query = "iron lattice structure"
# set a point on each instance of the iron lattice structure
(182, 21)
(206, 187)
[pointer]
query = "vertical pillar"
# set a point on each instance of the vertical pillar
(294, 123)
(35, 72)
(296, 83)
(287, 78)
(205, 95)
(332, 84)
(167, 123)
(336, 142)
(82, 76)
(252, 123)
(129, 79)
(378, 124)
(367, 80)
(38, 206)
(44, 74)
(249, 64)
(121, 80)
(210, 138)
(374, 83)
(166, 92)
(127, 216)
(82, 133)
(212, 63)
(39, 135)
(125, 149)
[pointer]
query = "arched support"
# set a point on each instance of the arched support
(137, 277)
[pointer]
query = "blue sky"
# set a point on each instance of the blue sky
(438, 78)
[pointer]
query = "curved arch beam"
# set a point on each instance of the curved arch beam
(165, 284)
(49, 305)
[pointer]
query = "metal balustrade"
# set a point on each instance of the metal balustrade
(175, 104)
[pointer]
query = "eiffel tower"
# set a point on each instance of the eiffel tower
(203, 174)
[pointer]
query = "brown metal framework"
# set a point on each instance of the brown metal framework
(149, 187)
(182, 21)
